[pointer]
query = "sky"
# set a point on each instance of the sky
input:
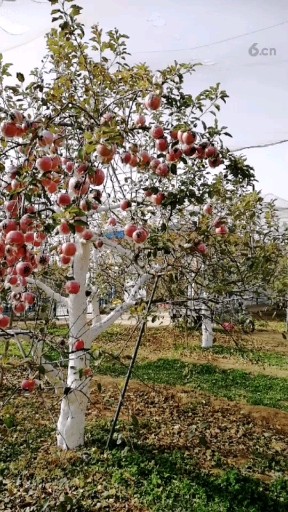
(218, 33)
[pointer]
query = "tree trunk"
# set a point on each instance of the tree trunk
(71, 422)
(207, 326)
(96, 317)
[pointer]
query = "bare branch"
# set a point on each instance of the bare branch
(122, 308)
(49, 292)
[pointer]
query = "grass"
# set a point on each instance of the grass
(254, 356)
(169, 455)
(35, 477)
(242, 353)
(231, 384)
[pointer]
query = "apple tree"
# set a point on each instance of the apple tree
(92, 145)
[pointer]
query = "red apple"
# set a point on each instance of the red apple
(87, 234)
(44, 164)
(64, 228)
(202, 248)
(29, 298)
(24, 268)
(4, 322)
(112, 221)
(228, 327)
(188, 150)
(219, 221)
(19, 308)
(12, 207)
(8, 225)
(69, 166)
(222, 230)
(208, 209)
(126, 157)
(72, 287)
(28, 385)
(64, 199)
(56, 162)
(152, 101)
(174, 155)
(130, 229)
(157, 132)
(174, 134)
(162, 170)
(158, 198)
(79, 187)
(9, 130)
(14, 238)
(79, 345)
(134, 161)
(104, 150)
(188, 138)
(145, 158)
(69, 249)
(154, 164)
(65, 260)
(29, 237)
(161, 145)
(97, 178)
(140, 120)
(215, 162)
(140, 235)
(82, 169)
(26, 222)
(211, 152)
(125, 204)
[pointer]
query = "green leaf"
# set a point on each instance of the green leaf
(79, 222)
(9, 421)
(173, 169)
(75, 10)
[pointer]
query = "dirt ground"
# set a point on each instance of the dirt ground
(217, 432)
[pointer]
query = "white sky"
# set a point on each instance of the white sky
(190, 30)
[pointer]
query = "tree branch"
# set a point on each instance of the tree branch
(49, 292)
(117, 247)
(110, 319)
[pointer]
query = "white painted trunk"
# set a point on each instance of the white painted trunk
(207, 326)
(53, 375)
(96, 317)
(71, 422)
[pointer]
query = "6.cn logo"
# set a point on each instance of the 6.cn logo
(254, 51)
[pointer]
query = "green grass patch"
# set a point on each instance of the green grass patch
(59, 330)
(254, 356)
(231, 384)
(12, 351)
(270, 325)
